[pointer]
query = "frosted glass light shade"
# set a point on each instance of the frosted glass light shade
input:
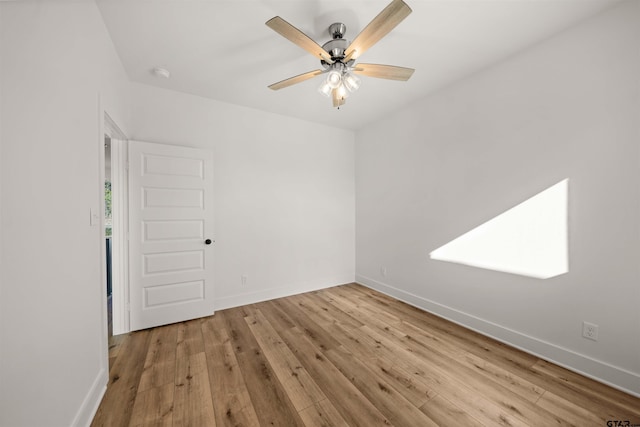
(325, 89)
(342, 92)
(351, 82)
(334, 78)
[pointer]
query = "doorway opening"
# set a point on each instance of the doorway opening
(108, 232)
(115, 230)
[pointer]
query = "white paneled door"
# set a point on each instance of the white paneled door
(170, 234)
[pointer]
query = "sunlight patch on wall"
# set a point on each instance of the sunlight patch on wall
(529, 239)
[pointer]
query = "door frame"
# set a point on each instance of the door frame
(120, 226)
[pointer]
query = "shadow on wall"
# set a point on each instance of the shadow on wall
(530, 239)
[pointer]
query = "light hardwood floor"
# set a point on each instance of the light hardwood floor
(344, 356)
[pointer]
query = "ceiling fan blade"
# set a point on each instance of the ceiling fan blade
(337, 99)
(390, 72)
(295, 80)
(296, 36)
(379, 27)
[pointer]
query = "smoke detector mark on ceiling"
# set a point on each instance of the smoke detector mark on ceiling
(161, 72)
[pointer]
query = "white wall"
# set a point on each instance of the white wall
(284, 213)
(58, 68)
(566, 108)
(2, 380)
(284, 192)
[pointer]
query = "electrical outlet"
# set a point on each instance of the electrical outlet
(590, 331)
(383, 271)
(243, 279)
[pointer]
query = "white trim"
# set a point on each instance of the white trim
(119, 267)
(119, 241)
(279, 292)
(92, 401)
(111, 128)
(603, 372)
(104, 340)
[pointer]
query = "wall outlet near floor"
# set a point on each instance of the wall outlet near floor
(383, 271)
(243, 279)
(590, 331)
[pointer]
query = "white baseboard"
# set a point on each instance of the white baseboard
(279, 292)
(91, 402)
(614, 376)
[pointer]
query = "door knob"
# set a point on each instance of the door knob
(207, 242)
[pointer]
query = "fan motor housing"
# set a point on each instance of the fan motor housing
(337, 45)
(336, 48)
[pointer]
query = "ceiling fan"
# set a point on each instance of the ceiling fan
(338, 56)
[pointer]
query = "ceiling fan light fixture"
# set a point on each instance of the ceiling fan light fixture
(334, 78)
(351, 82)
(325, 89)
(342, 92)
(338, 56)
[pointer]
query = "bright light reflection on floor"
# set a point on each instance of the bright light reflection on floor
(529, 239)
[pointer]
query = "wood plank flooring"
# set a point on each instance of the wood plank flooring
(344, 356)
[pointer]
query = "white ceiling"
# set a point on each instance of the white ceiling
(221, 49)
